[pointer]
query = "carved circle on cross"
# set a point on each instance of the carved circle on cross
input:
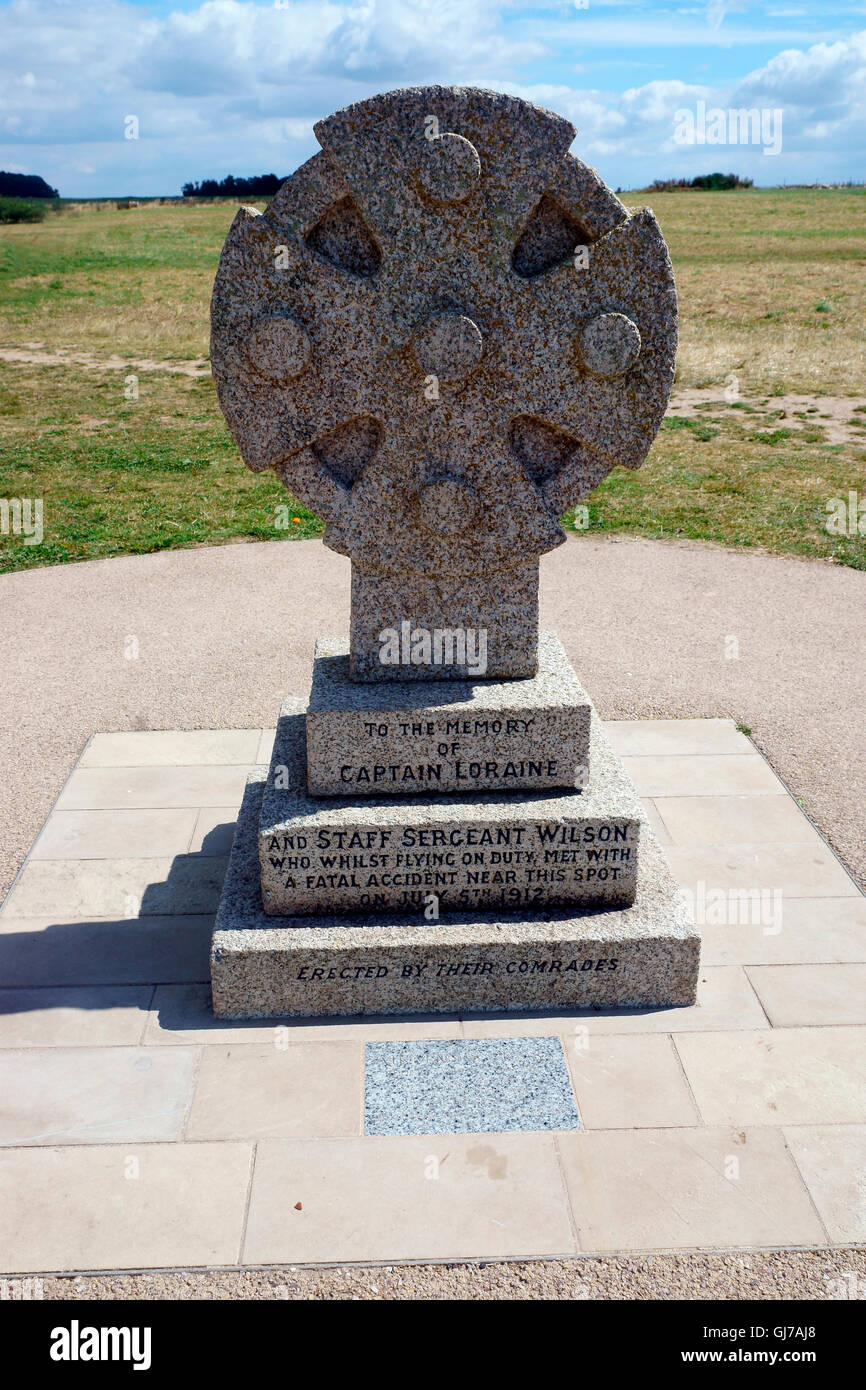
(436, 338)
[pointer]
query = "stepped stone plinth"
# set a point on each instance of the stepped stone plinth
(485, 851)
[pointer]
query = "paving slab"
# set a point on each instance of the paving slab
(114, 834)
(659, 828)
(38, 951)
(153, 788)
(624, 1082)
(810, 995)
(272, 1091)
(705, 774)
(90, 1095)
(672, 737)
(179, 885)
(407, 1197)
(831, 930)
(797, 871)
(725, 820)
(265, 746)
(122, 1206)
(214, 830)
(686, 1189)
(832, 1160)
(172, 748)
(74, 1017)
(784, 1076)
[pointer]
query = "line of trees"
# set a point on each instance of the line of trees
(705, 181)
(25, 186)
(258, 186)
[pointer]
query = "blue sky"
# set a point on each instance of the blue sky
(234, 86)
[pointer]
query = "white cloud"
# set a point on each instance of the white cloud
(821, 92)
(823, 73)
(233, 86)
(226, 86)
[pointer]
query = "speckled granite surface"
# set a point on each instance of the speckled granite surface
(467, 1086)
(496, 735)
(503, 605)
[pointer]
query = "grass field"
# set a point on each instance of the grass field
(772, 287)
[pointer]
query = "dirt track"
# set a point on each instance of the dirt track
(842, 418)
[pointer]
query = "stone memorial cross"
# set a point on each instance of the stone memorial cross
(444, 331)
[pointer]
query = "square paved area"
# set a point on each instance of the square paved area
(137, 1132)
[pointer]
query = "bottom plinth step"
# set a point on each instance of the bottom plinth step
(276, 967)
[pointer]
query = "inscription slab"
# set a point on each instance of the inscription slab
(400, 738)
(276, 967)
(488, 851)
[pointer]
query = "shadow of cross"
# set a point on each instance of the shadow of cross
(443, 332)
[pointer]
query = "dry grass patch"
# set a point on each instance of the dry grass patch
(772, 288)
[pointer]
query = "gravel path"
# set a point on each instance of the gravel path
(781, 1274)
